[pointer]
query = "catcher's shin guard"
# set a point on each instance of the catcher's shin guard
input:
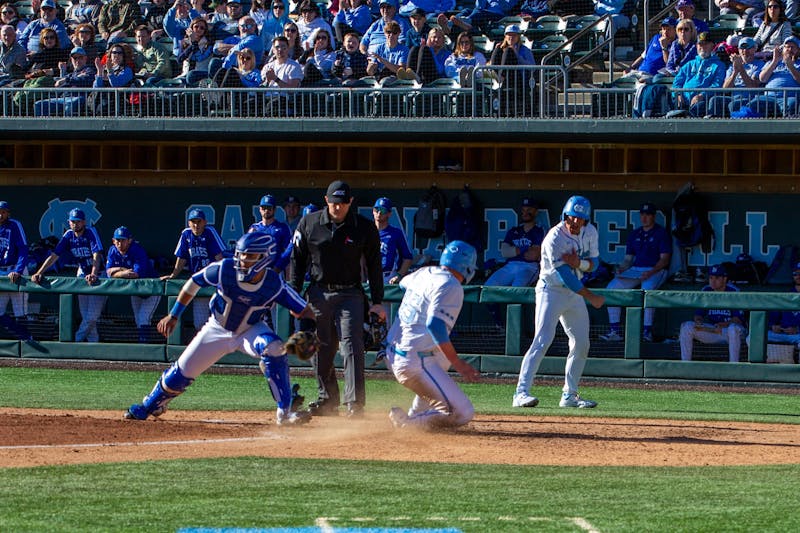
(276, 372)
(171, 384)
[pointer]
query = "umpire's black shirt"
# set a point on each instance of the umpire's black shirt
(332, 253)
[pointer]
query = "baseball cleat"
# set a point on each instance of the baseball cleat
(293, 418)
(135, 412)
(612, 336)
(398, 417)
(524, 399)
(573, 400)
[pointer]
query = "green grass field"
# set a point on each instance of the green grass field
(257, 492)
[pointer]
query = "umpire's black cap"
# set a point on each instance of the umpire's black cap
(338, 192)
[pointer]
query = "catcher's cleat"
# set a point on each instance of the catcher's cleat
(293, 418)
(136, 412)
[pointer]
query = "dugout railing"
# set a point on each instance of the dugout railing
(63, 291)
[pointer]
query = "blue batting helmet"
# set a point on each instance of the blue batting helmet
(268, 201)
(461, 257)
(254, 243)
(577, 206)
(77, 214)
(310, 208)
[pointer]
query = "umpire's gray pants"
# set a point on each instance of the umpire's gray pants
(340, 325)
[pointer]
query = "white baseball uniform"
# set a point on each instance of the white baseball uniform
(555, 302)
(415, 358)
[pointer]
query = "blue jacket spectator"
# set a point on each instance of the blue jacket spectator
(30, 37)
(177, 21)
(704, 71)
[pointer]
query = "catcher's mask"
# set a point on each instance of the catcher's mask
(254, 252)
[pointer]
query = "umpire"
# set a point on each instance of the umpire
(329, 244)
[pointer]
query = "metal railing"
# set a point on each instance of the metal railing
(604, 25)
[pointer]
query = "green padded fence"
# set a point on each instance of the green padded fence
(634, 302)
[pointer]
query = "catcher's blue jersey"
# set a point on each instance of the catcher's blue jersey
(238, 305)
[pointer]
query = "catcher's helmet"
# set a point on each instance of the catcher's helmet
(577, 206)
(461, 257)
(310, 208)
(254, 243)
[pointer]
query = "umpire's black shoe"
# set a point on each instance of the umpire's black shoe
(323, 407)
(354, 410)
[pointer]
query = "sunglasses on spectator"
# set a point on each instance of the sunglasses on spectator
(391, 32)
(85, 30)
(278, 6)
(247, 58)
(8, 12)
(116, 52)
(290, 30)
(49, 37)
(773, 6)
(683, 29)
(381, 210)
(246, 25)
(321, 38)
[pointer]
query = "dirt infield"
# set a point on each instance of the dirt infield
(34, 437)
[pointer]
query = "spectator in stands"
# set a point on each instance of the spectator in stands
(686, 11)
(13, 58)
(748, 8)
(350, 64)
(480, 17)
(45, 61)
(646, 263)
(282, 71)
(613, 8)
(30, 36)
(115, 73)
(375, 35)
(390, 56)
(152, 61)
(511, 51)
(784, 326)
(417, 33)
(353, 15)
(522, 250)
(230, 47)
(78, 73)
(715, 326)
(462, 62)
(176, 24)
(82, 12)
(127, 259)
(654, 58)
(118, 16)
(426, 62)
(743, 72)
(309, 21)
(200, 7)
(703, 72)
(291, 207)
(155, 13)
(260, 11)
(292, 35)
(683, 49)
(533, 9)
(775, 29)
(196, 52)
(273, 23)
(318, 61)
(10, 16)
(228, 25)
(244, 74)
(84, 37)
(781, 73)
(218, 11)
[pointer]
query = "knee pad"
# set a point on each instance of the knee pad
(173, 381)
(268, 344)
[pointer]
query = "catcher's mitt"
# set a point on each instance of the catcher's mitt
(303, 344)
(375, 332)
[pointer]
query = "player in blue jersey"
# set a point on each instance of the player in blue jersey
(646, 263)
(715, 326)
(127, 259)
(522, 247)
(395, 254)
(13, 264)
(245, 288)
(569, 249)
(83, 244)
(198, 246)
(272, 226)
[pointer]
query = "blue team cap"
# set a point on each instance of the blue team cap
(77, 214)
(792, 39)
(529, 202)
(648, 208)
(512, 28)
(291, 199)
(77, 51)
(48, 3)
(746, 43)
(122, 232)
(796, 267)
(268, 201)
(383, 203)
(4, 205)
(669, 21)
(718, 270)
(195, 214)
